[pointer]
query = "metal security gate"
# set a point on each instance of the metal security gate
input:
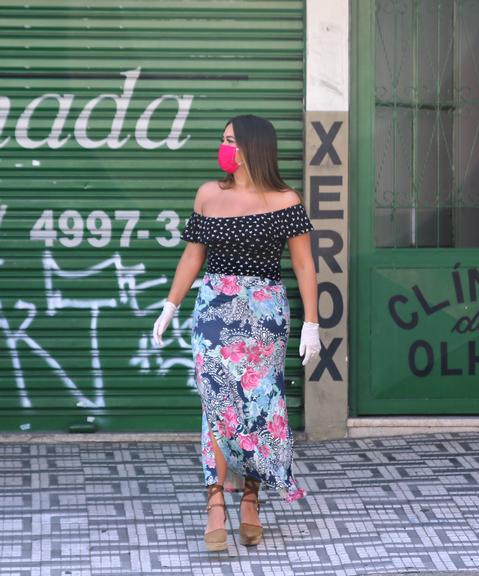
(110, 118)
(415, 200)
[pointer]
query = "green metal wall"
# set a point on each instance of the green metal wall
(111, 116)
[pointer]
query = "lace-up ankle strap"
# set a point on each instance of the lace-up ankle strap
(212, 490)
(251, 487)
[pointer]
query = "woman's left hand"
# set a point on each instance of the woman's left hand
(310, 344)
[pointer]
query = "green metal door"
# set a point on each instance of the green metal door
(415, 207)
(110, 118)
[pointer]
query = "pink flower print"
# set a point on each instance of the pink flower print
(227, 426)
(268, 350)
(282, 410)
(250, 378)
(224, 429)
(277, 427)
(254, 353)
(210, 461)
(229, 285)
(248, 441)
(230, 417)
(209, 455)
(234, 352)
(230, 429)
(264, 450)
(275, 288)
(296, 495)
(198, 367)
(221, 428)
(261, 295)
(209, 443)
(263, 370)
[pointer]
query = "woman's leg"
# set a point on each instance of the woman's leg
(249, 512)
(221, 466)
(248, 509)
(216, 514)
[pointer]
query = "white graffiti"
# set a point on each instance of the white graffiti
(14, 337)
(3, 211)
(126, 292)
(56, 139)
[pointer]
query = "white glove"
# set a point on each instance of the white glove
(309, 342)
(162, 321)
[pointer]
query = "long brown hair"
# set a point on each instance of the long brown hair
(256, 138)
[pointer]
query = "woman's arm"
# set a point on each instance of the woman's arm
(303, 266)
(187, 270)
(193, 257)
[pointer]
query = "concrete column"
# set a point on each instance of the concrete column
(326, 200)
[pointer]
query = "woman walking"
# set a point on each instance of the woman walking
(241, 321)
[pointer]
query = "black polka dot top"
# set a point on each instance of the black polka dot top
(249, 245)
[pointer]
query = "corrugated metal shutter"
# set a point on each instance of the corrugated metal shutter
(90, 210)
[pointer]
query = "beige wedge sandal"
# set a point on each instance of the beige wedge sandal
(251, 534)
(216, 540)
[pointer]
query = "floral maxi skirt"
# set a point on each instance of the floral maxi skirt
(239, 337)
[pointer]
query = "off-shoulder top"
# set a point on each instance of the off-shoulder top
(250, 245)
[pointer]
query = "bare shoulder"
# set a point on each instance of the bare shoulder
(289, 198)
(205, 192)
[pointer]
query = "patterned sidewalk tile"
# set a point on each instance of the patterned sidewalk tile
(393, 505)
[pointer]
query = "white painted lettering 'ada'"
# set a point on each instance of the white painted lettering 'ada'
(54, 140)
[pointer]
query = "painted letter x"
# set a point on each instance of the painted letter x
(326, 143)
(326, 361)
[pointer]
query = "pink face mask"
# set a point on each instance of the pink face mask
(226, 158)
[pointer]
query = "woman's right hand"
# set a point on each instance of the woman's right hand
(310, 343)
(162, 321)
